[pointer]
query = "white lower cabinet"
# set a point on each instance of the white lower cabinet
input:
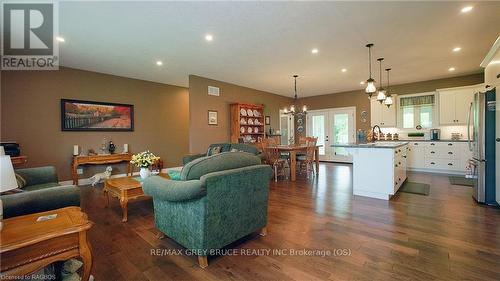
(440, 157)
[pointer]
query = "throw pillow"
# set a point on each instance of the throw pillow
(174, 174)
(21, 182)
(214, 150)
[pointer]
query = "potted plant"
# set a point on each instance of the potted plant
(144, 160)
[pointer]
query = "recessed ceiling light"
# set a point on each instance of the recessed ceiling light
(344, 70)
(466, 9)
(451, 69)
(60, 39)
(457, 49)
(362, 82)
(159, 63)
(209, 37)
(314, 51)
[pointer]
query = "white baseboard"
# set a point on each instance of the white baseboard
(88, 181)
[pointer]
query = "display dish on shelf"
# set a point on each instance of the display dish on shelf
(242, 130)
(250, 112)
(249, 130)
(243, 112)
(250, 121)
(256, 130)
(256, 113)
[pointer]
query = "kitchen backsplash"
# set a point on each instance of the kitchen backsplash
(446, 132)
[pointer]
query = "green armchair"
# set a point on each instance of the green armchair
(42, 192)
(224, 147)
(219, 199)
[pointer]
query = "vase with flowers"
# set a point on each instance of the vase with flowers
(144, 160)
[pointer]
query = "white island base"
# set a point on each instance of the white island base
(378, 170)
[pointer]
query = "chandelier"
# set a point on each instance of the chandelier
(291, 110)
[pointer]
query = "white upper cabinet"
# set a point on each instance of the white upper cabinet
(381, 115)
(454, 105)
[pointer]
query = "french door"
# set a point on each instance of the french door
(332, 126)
(286, 128)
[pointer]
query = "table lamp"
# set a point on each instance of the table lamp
(7, 180)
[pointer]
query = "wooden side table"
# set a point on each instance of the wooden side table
(19, 161)
(124, 189)
(99, 160)
(28, 245)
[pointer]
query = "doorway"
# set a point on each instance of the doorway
(332, 126)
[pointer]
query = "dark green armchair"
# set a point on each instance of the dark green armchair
(42, 192)
(219, 199)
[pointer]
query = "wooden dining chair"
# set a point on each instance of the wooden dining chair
(306, 162)
(273, 157)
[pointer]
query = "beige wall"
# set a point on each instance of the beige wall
(360, 100)
(200, 133)
(30, 115)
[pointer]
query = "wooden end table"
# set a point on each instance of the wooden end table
(124, 189)
(28, 245)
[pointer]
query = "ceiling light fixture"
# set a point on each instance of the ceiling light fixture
(159, 63)
(370, 87)
(457, 49)
(344, 70)
(388, 99)
(314, 51)
(451, 69)
(466, 9)
(381, 91)
(291, 110)
(60, 39)
(209, 37)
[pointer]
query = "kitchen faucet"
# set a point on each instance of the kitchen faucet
(379, 132)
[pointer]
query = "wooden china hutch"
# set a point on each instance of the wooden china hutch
(247, 123)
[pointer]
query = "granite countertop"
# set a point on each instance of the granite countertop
(421, 140)
(381, 144)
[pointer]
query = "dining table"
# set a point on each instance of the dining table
(292, 150)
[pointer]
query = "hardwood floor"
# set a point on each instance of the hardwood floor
(443, 236)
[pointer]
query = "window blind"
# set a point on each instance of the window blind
(416, 101)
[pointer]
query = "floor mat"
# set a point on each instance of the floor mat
(415, 188)
(461, 181)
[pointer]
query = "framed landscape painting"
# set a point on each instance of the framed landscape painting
(78, 115)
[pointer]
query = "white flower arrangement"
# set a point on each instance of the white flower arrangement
(144, 159)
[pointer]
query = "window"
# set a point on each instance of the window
(416, 110)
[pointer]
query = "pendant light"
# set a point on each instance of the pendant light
(292, 107)
(388, 99)
(370, 83)
(381, 91)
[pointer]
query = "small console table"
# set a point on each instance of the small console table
(99, 159)
(18, 161)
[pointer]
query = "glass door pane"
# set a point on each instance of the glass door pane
(284, 129)
(318, 130)
(340, 132)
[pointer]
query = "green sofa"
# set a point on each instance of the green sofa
(224, 147)
(218, 200)
(42, 192)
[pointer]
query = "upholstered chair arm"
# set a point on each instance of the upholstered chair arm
(46, 199)
(171, 190)
(190, 157)
(38, 175)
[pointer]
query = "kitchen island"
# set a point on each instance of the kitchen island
(379, 169)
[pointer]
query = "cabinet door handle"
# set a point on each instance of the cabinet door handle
(449, 164)
(404, 156)
(415, 143)
(449, 152)
(498, 139)
(433, 144)
(450, 144)
(432, 163)
(396, 165)
(432, 152)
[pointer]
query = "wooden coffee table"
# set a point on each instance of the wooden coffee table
(124, 189)
(28, 245)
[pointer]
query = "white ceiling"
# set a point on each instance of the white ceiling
(262, 44)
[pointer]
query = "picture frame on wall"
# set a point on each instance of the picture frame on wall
(213, 119)
(83, 115)
(268, 120)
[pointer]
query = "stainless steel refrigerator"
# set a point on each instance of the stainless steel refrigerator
(481, 139)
